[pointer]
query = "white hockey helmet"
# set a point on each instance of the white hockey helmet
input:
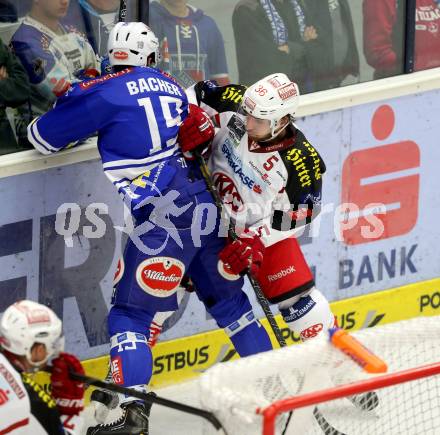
(131, 43)
(271, 98)
(25, 323)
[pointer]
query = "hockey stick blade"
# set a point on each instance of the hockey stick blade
(209, 416)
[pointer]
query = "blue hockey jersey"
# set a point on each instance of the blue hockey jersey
(136, 112)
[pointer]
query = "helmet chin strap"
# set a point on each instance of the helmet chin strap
(273, 126)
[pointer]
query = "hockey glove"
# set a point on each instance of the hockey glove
(60, 87)
(68, 394)
(87, 74)
(196, 131)
(243, 255)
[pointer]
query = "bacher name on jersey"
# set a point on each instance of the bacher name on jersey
(266, 188)
(134, 136)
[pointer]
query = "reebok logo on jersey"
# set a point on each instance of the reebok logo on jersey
(281, 274)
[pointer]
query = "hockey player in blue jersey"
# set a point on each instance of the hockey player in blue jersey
(136, 111)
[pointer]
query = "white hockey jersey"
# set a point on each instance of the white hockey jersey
(273, 190)
(26, 409)
(15, 408)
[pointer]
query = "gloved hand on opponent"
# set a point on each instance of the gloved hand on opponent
(244, 254)
(68, 394)
(196, 131)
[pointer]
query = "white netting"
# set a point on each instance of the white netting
(234, 390)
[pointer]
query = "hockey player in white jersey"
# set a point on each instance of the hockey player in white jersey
(270, 178)
(30, 335)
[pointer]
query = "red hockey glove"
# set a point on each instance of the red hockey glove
(68, 394)
(60, 86)
(196, 130)
(88, 73)
(243, 255)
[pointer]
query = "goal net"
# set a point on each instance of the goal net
(238, 392)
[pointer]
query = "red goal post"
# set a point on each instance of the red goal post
(271, 412)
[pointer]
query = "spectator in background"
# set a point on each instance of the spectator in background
(95, 18)
(271, 36)
(54, 55)
(8, 20)
(384, 35)
(333, 54)
(14, 91)
(312, 41)
(8, 12)
(191, 43)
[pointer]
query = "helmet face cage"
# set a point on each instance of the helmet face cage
(131, 44)
(26, 323)
(272, 98)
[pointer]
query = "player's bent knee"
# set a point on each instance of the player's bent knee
(307, 314)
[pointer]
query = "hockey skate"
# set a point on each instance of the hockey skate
(133, 421)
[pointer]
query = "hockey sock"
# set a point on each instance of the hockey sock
(235, 315)
(248, 335)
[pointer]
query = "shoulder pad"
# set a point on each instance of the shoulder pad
(220, 98)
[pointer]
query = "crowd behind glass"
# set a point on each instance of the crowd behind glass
(45, 45)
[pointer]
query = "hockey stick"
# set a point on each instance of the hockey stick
(122, 10)
(264, 304)
(148, 398)
(325, 426)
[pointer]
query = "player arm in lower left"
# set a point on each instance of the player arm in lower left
(68, 393)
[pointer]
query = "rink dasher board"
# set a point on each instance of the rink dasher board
(185, 358)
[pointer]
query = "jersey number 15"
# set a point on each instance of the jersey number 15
(161, 124)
